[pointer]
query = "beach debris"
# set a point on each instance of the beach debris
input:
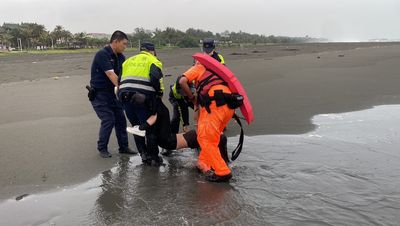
(34, 62)
(259, 51)
(56, 77)
(318, 57)
(44, 177)
(18, 198)
(341, 55)
(237, 54)
(290, 49)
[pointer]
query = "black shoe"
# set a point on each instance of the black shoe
(157, 161)
(166, 152)
(105, 154)
(127, 151)
(212, 177)
(145, 159)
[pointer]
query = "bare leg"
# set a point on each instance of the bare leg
(180, 141)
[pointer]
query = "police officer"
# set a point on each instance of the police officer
(180, 106)
(106, 67)
(209, 48)
(142, 76)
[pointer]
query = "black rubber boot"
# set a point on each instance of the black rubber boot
(157, 161)
(105, 154)
(212, 177)
(145, 158)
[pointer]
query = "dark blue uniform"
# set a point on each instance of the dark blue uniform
(105, 103)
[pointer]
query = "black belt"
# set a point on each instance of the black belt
(127, 96)
(233, 100)
(106, 90)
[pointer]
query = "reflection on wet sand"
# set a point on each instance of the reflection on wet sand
(173, 193)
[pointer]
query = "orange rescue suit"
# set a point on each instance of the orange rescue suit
(210, 126)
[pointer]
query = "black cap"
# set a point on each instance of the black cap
(208, 45)
(147, 46)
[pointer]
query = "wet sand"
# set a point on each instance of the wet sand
(343, 173)
(49, 131)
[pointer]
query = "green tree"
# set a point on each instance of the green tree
(188, 41)
(61, 37)
(33, 34)
(5, 37)
(140, 35)
(80, 39)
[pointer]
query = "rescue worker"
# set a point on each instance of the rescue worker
(212, 119)
(178, 98)
(105, 71)
(142, 76)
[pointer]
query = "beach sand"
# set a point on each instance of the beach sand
(48, 129)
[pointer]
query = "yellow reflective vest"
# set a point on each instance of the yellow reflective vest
(136, 72)
(221, 58)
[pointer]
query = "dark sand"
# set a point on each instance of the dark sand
(48, 130)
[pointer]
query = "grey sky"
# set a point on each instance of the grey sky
(340, 20)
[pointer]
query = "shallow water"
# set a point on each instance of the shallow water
(344, 173)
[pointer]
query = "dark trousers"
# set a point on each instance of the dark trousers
(138, 114)
(180, 112)
(111, 114)
(166, 138)
(176, 117)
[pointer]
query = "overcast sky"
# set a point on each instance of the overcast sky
(339, 20)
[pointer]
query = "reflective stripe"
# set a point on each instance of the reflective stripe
(161, 80)
(136, 86)
(133, 78)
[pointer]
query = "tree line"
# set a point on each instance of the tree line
(35, 36)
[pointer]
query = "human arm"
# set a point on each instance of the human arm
(184, 112)
(113, 77)
(156, 79)
(104, 63)
(183, 82)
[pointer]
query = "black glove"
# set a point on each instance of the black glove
(144, 126)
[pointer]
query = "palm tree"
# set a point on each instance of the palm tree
(61, 36)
